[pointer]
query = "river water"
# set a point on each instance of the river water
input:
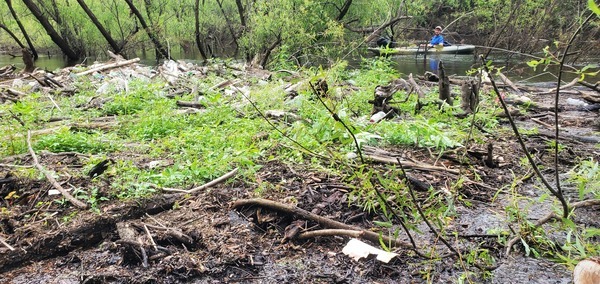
(515, 68)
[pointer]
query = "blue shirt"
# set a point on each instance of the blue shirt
(437, 39)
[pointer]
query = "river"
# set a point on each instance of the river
(515, 68)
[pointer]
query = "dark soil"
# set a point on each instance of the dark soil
(203, 239)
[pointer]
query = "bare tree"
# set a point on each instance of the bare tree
(23, 31)
(161, 51)
(64, 46)
(197, 33)
(113, 44)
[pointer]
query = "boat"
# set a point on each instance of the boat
(450, 49)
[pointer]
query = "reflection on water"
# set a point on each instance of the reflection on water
(418, 65)
(51, 63)
(43, 62)
(516, 69)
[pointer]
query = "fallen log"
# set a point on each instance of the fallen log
(108, 66)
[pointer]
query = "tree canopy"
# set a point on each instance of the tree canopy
(280, 32)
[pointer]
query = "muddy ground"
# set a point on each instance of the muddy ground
(203, 238)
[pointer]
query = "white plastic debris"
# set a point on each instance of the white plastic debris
(576, 102)
(357, 249)
(377, 117)
(17, 83)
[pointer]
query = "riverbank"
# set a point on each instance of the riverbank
(224, 173)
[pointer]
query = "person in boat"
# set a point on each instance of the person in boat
(437, 39)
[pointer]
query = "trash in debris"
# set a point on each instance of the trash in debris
(357, 249)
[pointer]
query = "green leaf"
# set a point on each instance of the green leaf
(526, 246)
(592, 5)
(569, 223)
(383, 224)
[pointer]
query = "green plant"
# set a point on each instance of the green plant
(586, 178)
(65, 140)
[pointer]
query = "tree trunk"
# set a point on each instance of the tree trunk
(344, 10)
(9, 32)
(56, 38)
(470, 96)
(28, 60)
(159, 48)
(22, 28)
(116, 48)
(197, 35)
(241, 9)
(229, 26)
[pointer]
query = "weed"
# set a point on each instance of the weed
(586, 178)
(65, 140)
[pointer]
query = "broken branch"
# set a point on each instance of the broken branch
(51, 179)
(325, 222)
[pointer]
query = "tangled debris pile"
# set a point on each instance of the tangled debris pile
(218, 232)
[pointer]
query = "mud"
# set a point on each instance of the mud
(202, 239)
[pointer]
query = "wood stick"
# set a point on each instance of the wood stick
(189, 104)
(325, 222)
(205, 186)
(508, 82)
(411, 165)
(150, 237)
(6, 244)
(108, 66)
(51, 179)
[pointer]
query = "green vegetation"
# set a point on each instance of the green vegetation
(230, 131)
(285, 33)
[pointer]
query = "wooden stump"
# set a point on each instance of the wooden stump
(28, 60)
(444, 85)
(384, 94)
(470, 96)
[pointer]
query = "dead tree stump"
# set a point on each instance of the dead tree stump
(28, 60)
(444, 85)
(384, 94)
(470, 96)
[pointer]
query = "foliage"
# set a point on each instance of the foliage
(308, 31)
(586, 178)
(65, 140)
(189, 149)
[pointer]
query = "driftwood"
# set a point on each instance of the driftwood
(285, 116)
(205, 186)
(384, 94)
(509, 82)
(51, 179)
(108, 66)
(382, 156)
(7, 70)
(325, 222)
(189, 104)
